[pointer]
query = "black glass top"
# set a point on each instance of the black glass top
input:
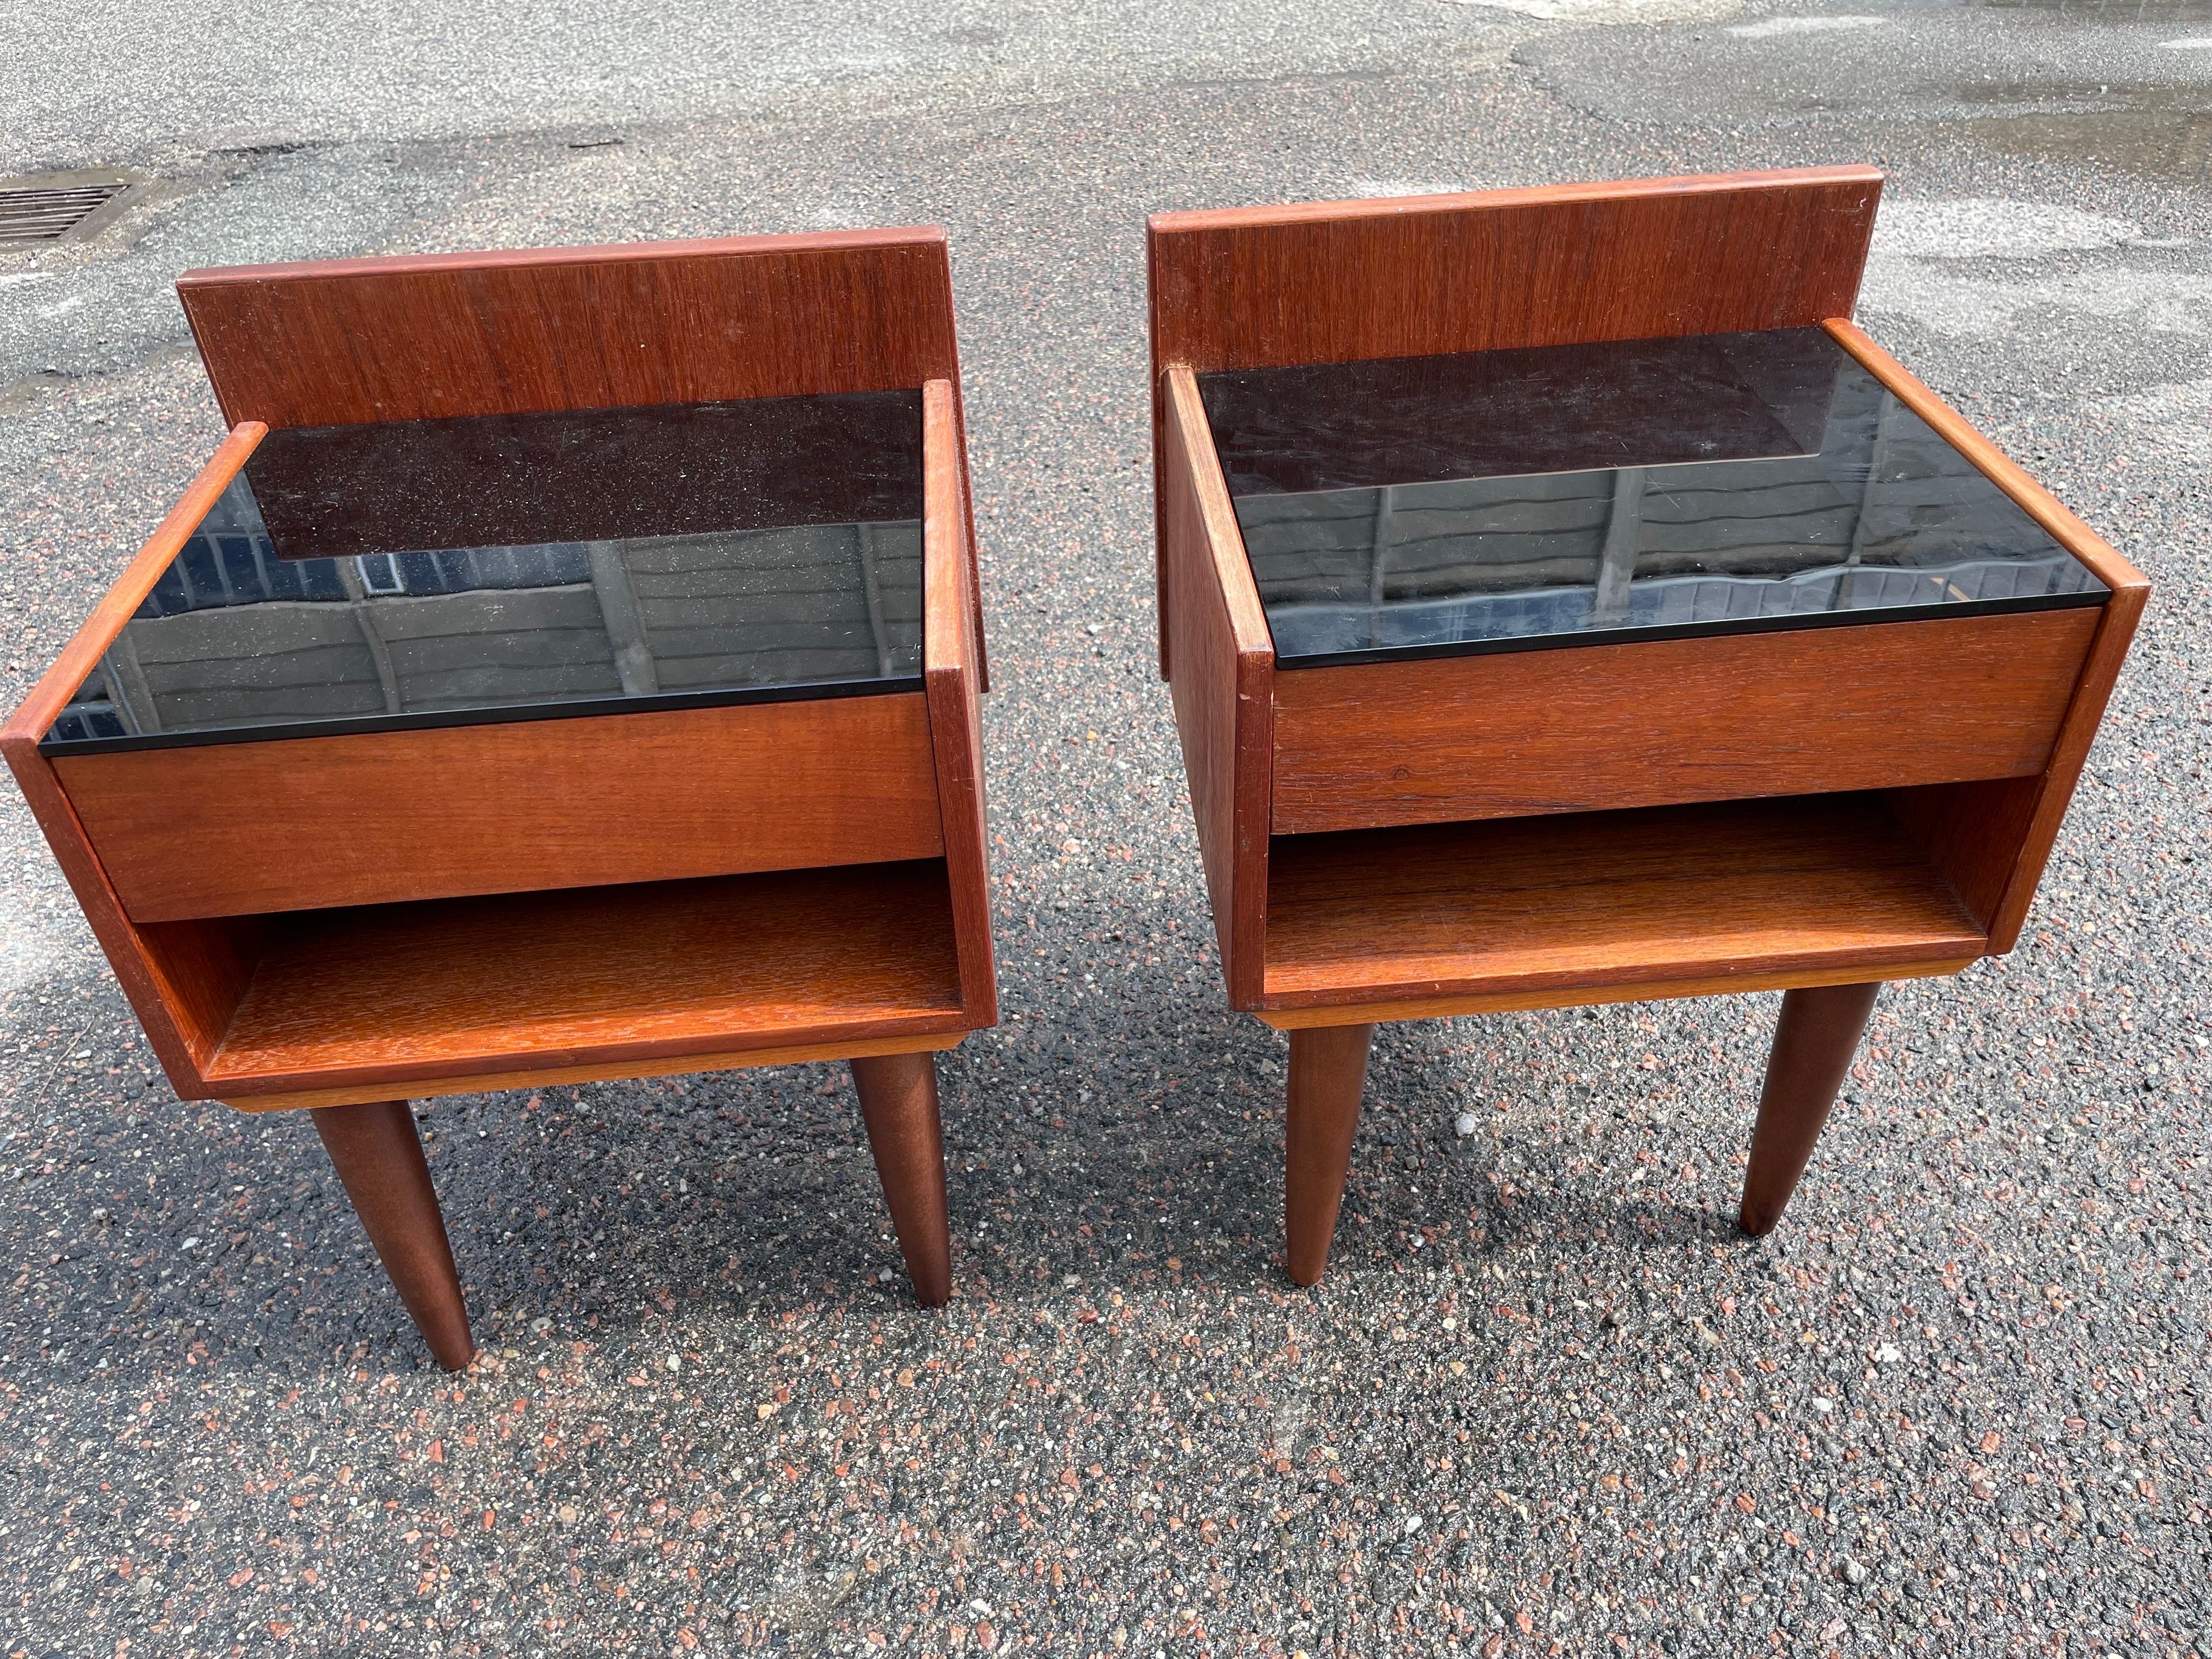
(516, 566)
(1508, 501)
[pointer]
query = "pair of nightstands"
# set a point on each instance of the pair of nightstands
(568, 669)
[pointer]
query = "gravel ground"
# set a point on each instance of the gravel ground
(1548, 1401)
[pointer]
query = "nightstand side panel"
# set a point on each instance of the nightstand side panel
(1221, 684)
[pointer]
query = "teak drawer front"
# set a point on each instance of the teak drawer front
(379, 818)
(1581, 728)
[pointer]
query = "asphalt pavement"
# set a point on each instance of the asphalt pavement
(1547, 1400)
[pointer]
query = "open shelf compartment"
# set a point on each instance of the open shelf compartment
(1536, 909)
(639, 973)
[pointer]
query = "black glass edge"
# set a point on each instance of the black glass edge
(494, 715)
(1872, 617)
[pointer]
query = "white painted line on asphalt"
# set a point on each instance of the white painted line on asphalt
(1608, 11)
(1544, 8)
(1772, 26)
(1983, 226)
(1364, 188)
(2193, 43)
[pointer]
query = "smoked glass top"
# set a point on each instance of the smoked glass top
(432, 572)
(1503, 501)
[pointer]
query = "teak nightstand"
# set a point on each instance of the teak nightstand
(566, 670)
(1563, 603)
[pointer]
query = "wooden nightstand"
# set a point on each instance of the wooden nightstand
(1563, 603)
(566, 670)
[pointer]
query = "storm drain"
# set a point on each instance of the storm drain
(50, 209)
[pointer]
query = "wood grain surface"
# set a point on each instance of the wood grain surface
(495, 985)
(225, 1000)
(35, 715)
(1972, 832)
(906, 1137)
(1320, 1116)
(1328, 281)
(1657, 990)
(1809, 711)
(605, 1071)
(2039, 503)
(208, 965)
(1223, 708)
(1800, 885)
(163, 989)
(382, 816)
(2083, 718)
(952, 667)
(164, 1003)
(378, 1154)
(1992, 840)
(1814, 1039)
(337, 342)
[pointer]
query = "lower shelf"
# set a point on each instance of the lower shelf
(592, 974)
(1530, 908)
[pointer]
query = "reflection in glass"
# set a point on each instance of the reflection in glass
(717, 553)
(1444, 505)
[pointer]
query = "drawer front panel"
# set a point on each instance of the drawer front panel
(379, 818)
(1584, 728)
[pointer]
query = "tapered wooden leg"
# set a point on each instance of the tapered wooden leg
(380, 1158)
(1328, 1069)
(898, 1101)
(1814, 1043)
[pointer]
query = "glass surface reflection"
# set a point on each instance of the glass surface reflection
(433, 572)
(1514, 500)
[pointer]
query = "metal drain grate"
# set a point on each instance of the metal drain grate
(46, 210)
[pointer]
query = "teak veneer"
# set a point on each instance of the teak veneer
(1814, 810)
(401, 993)
(332, 921)
(1527, 908)
(510, 807)
(421, 337)
(1665, 721)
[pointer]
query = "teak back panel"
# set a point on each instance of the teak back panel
(339, 342)
(376, 818)
(1329, 282)
(1332, 280)
(1812, 711)
(333, 342)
